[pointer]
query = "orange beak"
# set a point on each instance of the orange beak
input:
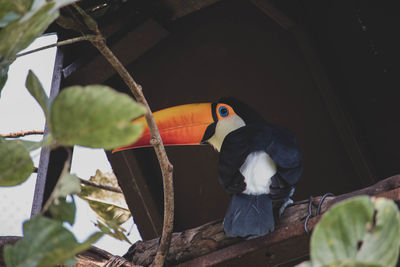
(179, 125)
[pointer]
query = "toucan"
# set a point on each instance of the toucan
(259, 163)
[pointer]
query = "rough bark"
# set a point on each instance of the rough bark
(210, 237)
(93, 257)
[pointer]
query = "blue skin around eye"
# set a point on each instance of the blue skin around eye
(223, 111)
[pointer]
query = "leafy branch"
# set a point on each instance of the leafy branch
(360, 231)
(83, 124)
(156, 141)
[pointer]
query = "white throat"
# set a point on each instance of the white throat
(223, 128)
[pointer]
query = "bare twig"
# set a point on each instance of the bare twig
(61, 43)
(21, 134)
(156, 141)
(97, 185)
(104, 187)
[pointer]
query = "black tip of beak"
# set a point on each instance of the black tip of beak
(209, 133)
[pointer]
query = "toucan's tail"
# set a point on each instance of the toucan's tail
(249, 215)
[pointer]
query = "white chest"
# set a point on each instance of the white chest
(257, 170)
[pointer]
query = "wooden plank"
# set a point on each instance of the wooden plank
(147, 216)
(283, 245)
(180, 8)
(45, 152)
(208, 245)
(275, 14)
(355, 150)
(129, 48)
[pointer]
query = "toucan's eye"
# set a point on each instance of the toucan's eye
(223, 111)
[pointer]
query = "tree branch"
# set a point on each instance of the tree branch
(21, 134)
(104, 187)
(156, 141)
(61, 43)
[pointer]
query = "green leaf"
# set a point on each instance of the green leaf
(94, 116)
(7, 18)
(18, 34)
(35, 88)
(24, 21)
(3, 75)
(12, 10)
(32, 145)
(350, 235)
(15, 165)
(66, 185)
(46, 243)
(63, 211)
(382, 242)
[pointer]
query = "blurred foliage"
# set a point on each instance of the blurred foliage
(46, 243)
(94, 116)
(21, 22)
(36, 89)
(361, 231)
(16, 164)
(110, 206)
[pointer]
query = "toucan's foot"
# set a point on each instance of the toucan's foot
(284, 205)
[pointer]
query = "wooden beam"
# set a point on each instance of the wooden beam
(282, 246)
(275, 14)
(129, 48)
(139, 199)
(180, 8)
(344, 126)
(208, 245)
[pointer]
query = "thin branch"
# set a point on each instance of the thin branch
(61, 43)
(104, 187)
(156, 141)
(166, 166)
(21, 134)
(97, 185)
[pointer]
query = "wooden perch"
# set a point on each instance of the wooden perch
(93, 257)
(208, 245)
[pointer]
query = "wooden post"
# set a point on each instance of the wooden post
(38, 197)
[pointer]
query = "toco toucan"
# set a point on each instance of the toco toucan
(259, 163)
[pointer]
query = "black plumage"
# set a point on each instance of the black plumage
(252, 215)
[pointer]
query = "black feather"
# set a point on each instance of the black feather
(249, 215)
